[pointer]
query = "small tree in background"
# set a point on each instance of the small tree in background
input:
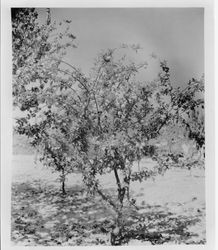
(38, 89)
(99, 124)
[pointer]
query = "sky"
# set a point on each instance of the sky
(173, 34)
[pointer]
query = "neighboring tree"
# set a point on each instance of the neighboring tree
(187, 128)
(38, 89)
(99, 124)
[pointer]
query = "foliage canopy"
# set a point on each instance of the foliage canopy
(97, 124)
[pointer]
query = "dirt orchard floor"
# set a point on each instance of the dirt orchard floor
(171, 208)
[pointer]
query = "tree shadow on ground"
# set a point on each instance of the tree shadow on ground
(41, 215)
(158, 226)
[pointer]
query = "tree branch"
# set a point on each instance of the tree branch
(117, 178)
(76, 78)
(107, 199)
(97, 108)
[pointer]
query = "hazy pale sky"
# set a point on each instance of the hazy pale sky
(174, 34)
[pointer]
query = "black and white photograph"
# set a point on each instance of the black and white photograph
(108, 126)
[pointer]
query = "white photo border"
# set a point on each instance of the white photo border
(6, 107)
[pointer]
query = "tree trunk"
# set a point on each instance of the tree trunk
(116, 234)
(63, 187)
(63, 182)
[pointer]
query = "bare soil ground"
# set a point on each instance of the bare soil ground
(171, 209)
